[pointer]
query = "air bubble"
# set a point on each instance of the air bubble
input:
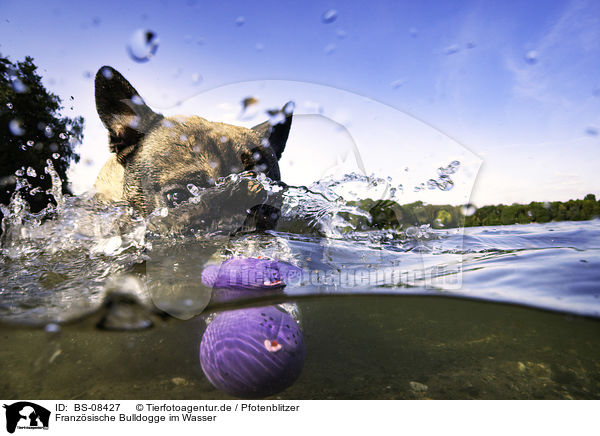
(329, 16)
(30, 143)
(9, 105)
(240, 21)
(142, 45)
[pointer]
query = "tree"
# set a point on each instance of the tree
(31, 133)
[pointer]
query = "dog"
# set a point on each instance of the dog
(159, 163)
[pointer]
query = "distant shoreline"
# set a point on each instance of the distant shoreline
(389, 214)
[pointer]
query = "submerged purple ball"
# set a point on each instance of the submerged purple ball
(252, 353)
(250, 273)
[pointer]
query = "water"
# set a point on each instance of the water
(98, 304)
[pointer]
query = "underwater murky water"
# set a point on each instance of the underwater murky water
(95, 303)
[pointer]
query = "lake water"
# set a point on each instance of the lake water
(94, 305)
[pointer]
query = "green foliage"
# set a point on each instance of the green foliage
(31, 132)
(389, 214)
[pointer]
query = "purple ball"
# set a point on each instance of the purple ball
(252, 353)
(250, 273)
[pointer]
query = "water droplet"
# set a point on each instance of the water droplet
(194, 190)
(341, 34)
(248, 101)
(166, 123)
(413, 32)
(470, 45)
(223, 139)
(52, 328)
(142, 45)
(31, 172)
(468, 209)
(240, 21)
(163, 212)
(16, 128)
(55, 155)
(18, 86)
(134, 122)
(9, 105)
(20, 172)
(329, 16)
(136, 99)
(256, 156)
(276, 117)
(62, 136)
(107, 73)
(88, 74)
(183, 138)
(451, 49)
(329, 49)
(213, 164)
(196, 78)
(259, 46)
(591, 131)
(30, 143)
(249, 108)
(48, 132)
(531, 57)
(397, 83)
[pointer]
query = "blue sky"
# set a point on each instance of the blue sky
(516, 83)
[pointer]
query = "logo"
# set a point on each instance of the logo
(26, 415)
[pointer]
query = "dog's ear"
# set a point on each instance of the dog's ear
(122, 111)
(277, 130)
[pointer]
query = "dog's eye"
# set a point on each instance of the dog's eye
(176, 196)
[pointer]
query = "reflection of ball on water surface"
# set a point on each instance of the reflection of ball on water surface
(252, 353)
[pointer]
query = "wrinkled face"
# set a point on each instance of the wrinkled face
(166, 159)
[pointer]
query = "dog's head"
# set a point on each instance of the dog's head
(162, 157)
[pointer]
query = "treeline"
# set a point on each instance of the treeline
(389, 214)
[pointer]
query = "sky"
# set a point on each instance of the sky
(398, 89)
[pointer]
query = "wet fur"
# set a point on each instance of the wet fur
(154, 155)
